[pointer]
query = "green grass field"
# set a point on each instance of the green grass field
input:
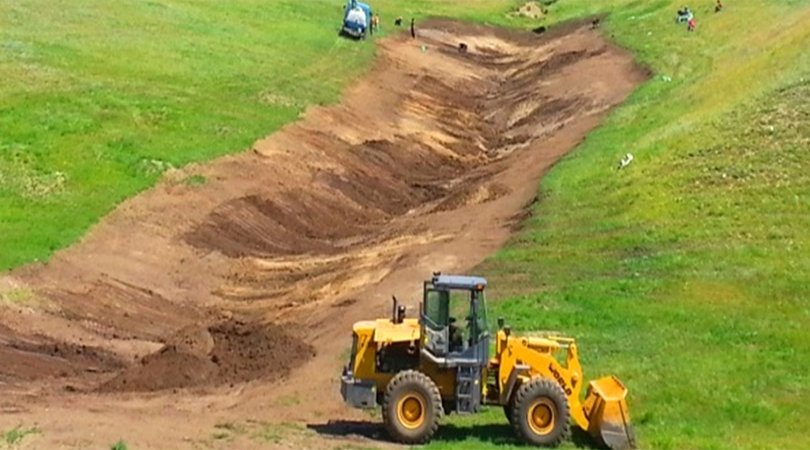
(685, 274)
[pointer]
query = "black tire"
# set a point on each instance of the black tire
(407, 392)
(540, 413)
(508, 407)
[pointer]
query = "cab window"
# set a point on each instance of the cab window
(437, 307)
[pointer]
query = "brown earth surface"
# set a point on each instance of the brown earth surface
(218, 315)
(225, 353)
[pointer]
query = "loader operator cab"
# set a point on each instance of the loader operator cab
(454, 318)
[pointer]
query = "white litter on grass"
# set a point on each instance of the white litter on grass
(628, 158)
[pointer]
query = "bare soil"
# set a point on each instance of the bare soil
(225, 353)
(204, 316)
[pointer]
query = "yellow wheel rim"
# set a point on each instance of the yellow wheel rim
(411, 411)
(541, 416)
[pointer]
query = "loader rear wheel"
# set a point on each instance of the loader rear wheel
(540, 413)
(412, 408)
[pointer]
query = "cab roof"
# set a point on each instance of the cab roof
(458, 282)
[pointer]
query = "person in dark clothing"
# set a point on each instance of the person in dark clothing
(456, 336)
(718, 6)
(398, 21)
(413, 29)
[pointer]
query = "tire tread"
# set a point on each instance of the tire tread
(529, 391)
(416, 377)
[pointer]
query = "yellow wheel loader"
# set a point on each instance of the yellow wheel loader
(419, 369)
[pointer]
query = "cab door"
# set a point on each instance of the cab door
(436, 321)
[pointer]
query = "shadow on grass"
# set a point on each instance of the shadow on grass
(350, 428)
(492, 433)
(501, 434)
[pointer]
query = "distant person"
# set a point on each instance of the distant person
(375, 23)
(398, 21)
(413, 29)
(718, 6)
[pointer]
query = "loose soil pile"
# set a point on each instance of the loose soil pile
(225, 353)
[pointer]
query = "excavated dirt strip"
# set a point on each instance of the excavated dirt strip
(232, 300)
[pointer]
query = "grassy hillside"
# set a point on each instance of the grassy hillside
(98, 98)
(686, 274)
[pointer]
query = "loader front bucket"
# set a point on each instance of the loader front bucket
(606, 409)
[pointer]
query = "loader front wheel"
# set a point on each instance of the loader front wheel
(508, 408)
(540, 413)
(411, 408)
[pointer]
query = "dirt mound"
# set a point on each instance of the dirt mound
(167, 369)
(225, 353)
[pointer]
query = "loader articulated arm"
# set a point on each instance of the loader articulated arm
(535, 357)
(603, 413)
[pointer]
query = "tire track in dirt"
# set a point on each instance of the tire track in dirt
(425, 165)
